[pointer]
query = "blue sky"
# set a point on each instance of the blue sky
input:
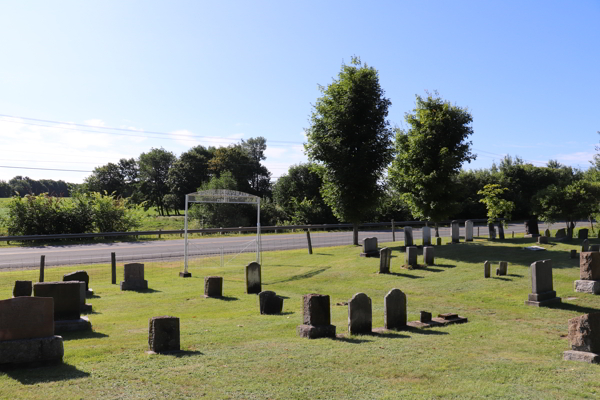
(213, 73)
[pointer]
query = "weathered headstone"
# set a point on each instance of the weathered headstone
(502, 268)
(269, 303)
(547, 233)
(385, 256)
(316, 318)
(542, 294)
(360, 315)
(370, 247)
(486, 269)
(585, 246)
(81, 276)
(455, 232)
(411, 256)
(469, 231)
(573, 254)
(492, 231)
(500, 230)
(561, 233)
(583, 233)
(584, 339)
(429, 255)
(532, 227)
(134, 277)
(589, 273)
(67, 304)
(408, 236)
(163, 334)
(394, 309)
(213, 286)
(542, 239)
(438, 241)
(426, 233)
(253, 278)
(425, 316)
(22, 288)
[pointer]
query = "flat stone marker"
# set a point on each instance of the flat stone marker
(589, 273)
(429, 255)
(426, 233)
(486, 269)
(134, 277)
(269, 303)
(585, 246)
(502, 268)
(370, 247)
(469, 231)
(316, 318)
(81, 276)
(163, 334)
(22, 288)
(500, 231)
(427, 321)
(583, 233)
(66, 297)
(584, 339)
(408, 236)
(213, 286)
(253, 278)
(455, 232)
(541, 283)
(411, 256)
(360, 314)
(385, 257)
(542, 239)
(394, 305)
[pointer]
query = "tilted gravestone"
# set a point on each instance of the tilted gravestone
(253, 278)
(360, 314)
(429, 255)
(584, 339)
(583, 233)
(426, 233)
(408, 236)
(542, 293)
(455, 232)
(469, 231)
(502, 268)
(134, 277)
(81, 276)
(316, 317)
(22, 288)
(370, 247)
(269, 303)
(163, 334)
(395, 309)
(500, 231)
(385, 256)
(486, 269)
(213, 286)
(585, 246)
(411, 256)
(589, 273)
(561, 233)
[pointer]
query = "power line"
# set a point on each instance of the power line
(46, 169)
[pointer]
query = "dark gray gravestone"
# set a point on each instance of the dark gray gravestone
(583, 233)
(542, 239)
(429, 255)
(500, 231)
(468, 231)
(547, 233)
(542, 294)
(213, 286)
(502, 268)
(438, 241)
(134, 277)
(486, 269)
(492, 231)
(22, 288)
(532, 227)
(594, 247)
(395, 309)
(385, 256)
(455, 232)
(426, 234)
(269, 303)
(316, 317)
(163, 334)
(253, 278)
(81, 276)
(585, 246)
(370, 247)
(425, 316)
(360, 314)
(411, 256)
(561, 233)
(66, 297)
(408, 236)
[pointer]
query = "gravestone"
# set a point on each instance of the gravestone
(426, 233)
(542, 294)
(81, 276)
(438, 241)
(253, 278)
(394, 310)
(134, 277)
(492, 231)
(316, 317)
(500, 231)
(425, 316)
(532, 227)
(502, 268)
(213, 286)
(67, 305)
(583, 233)
(455, 232)
(469, 231)
(573, 254)
(385, 256)
(408, 236)
(542, 239)
(584, 339)
(428, 255)
(27, 331)
(163, 334)
(561, 233)
(360, 315)
(411, 256)
(486, 269)
(547, 233)
(585, 246)
(269, 303)
(589, 273)
(594, 247)
(22, 288)
(370, 247)
(83, 307)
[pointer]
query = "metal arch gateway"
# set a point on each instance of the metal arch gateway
(222, 196)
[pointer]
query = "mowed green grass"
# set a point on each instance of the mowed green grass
(230, 351)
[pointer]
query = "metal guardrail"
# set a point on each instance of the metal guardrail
(218, 230)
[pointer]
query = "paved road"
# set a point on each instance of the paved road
(24, 257)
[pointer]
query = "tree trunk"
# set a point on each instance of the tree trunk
(355, 233)
(437, 230)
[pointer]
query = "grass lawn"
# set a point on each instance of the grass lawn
(507, 350)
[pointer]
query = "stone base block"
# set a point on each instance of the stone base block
(185, 274)
(89, 293)
(585, 286)
(134, 285)
(86, 308)
(316, 331)
(72, 325)
(584, 356)
(543, 303)
(48, 349)
(370, 254)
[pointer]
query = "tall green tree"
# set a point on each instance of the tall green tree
(120, 178)
(187, 174)
(153, 172)
(351, 138)
(429, 156)
(497, 207)
(260, 180)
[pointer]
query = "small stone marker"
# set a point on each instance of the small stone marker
(429, 255)
(589, 273)
(585, 246)
(469, 231)
(541, 283)
(547, 233)
(455, 232)
(163, 334)
(583, 233)
(561, 233)
(408, 236)
(253, 278)
(425, 316)
(370, 247)
(22, 288)
(81, 276)
(594, 247)
(317, 317)
(426, 321)
(584, 339)
(502, 268)
(213, 286)
(542, 239)
(385, 256)
(426, 233)
(438, 241)
(394, 306)
(486, 269)
(573, 253)
(360, 315)
(500, 231)
(134, 277)
(411, 256)
(269, 303)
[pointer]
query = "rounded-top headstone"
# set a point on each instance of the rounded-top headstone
(395, 309)
(359, 314)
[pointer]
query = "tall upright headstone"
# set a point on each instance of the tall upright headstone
(455, 232)
(426, 233)
(67, 304)
(502, 268)
(269, 303)
(500, 230)
(253, 278)
(547, 233)
(360, 314)
(486, 269)
(133, 277)
(583, 233)
(316, 317)
(469, 231)
(589, 273)
(385, 256)
(411, 256)
(395, 309)
(584, 339)
(81, 276)
(213, 286)
(429, 255)
(163, 334)
(542, 293)
(492, 231)
(585, 246)
(408, 236)
(370, 247)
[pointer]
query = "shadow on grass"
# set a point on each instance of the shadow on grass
(515, 275)
(45, 373)
(82, 335)
(149, 290)
(90, 312)
(445, 265)
(502, 279)
(574, 307)
(94, 296)
(306, 275)
(353, 340)
(390, 335)
(404, 275)
(424, 331)
(181, 353)
(224, 298)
